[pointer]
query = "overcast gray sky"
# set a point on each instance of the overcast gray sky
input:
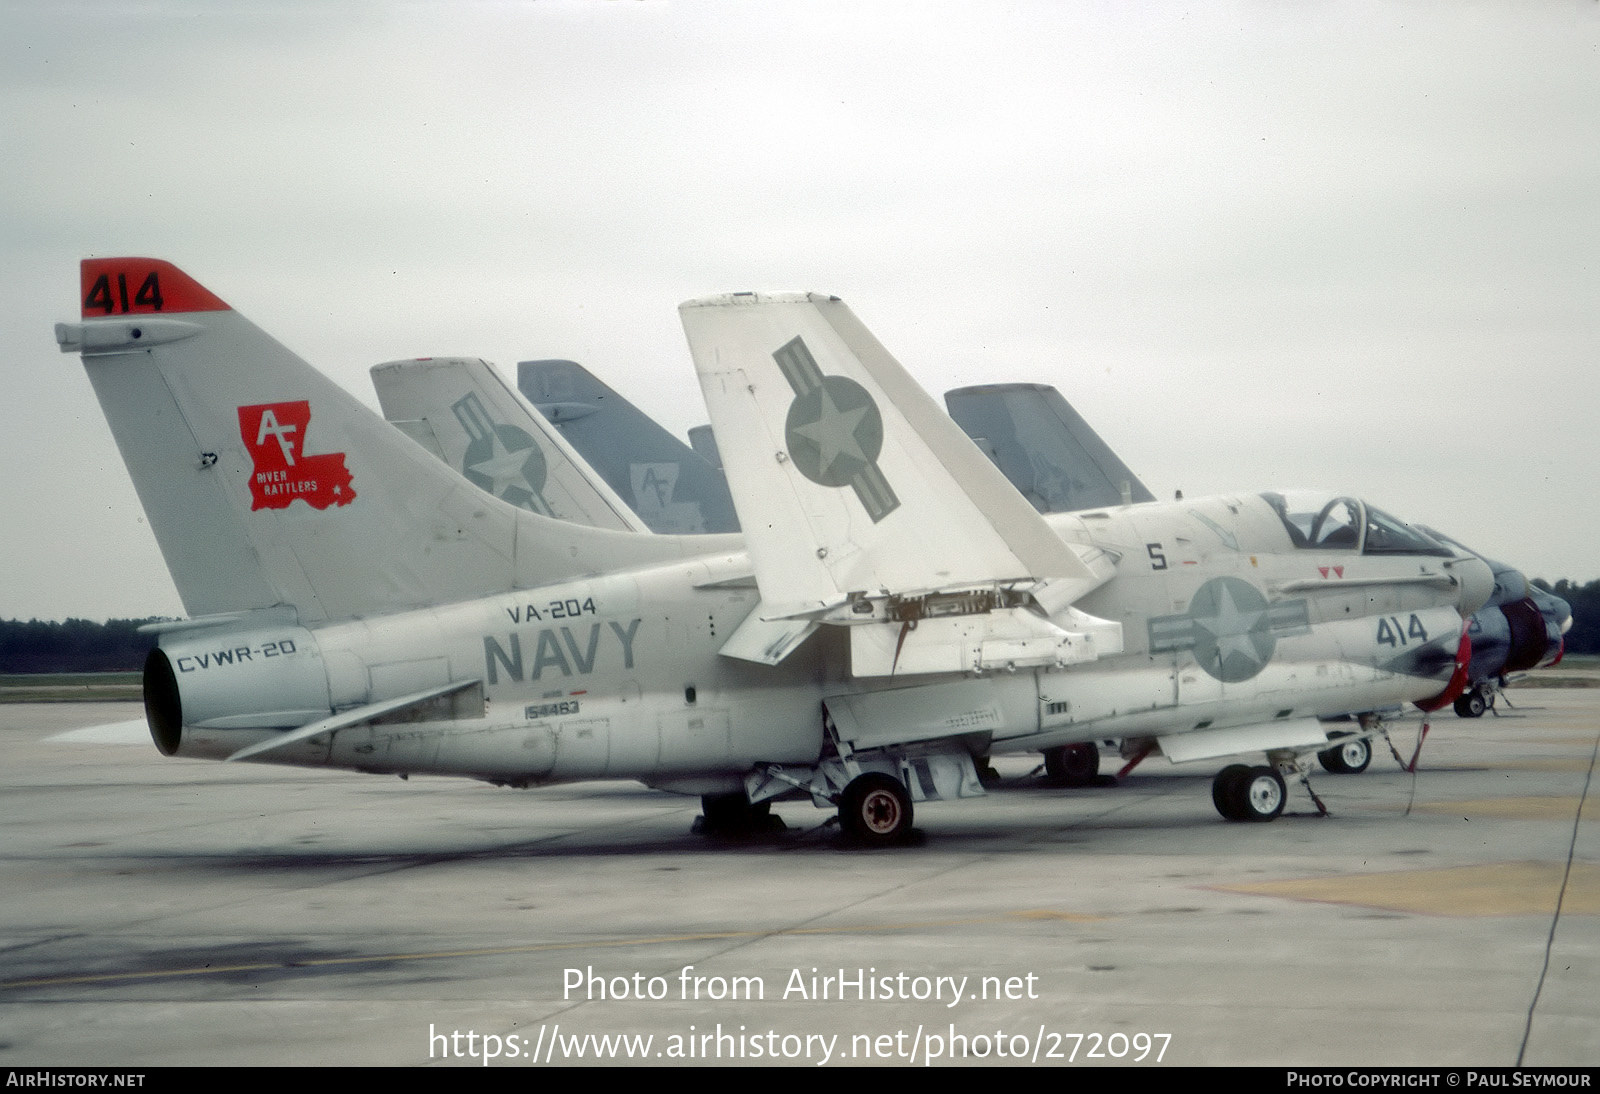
(1342, 245)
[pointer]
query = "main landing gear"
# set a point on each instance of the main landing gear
(1072, 765)
(875, 810)
(1243, 793)
(735, 815)
(1348, 758)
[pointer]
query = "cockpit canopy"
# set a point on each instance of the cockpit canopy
(1319, 521)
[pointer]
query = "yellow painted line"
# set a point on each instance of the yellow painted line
(1515, 808)
(544, 947)
(1491, 889)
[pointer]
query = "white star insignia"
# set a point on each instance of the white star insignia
(834, 433)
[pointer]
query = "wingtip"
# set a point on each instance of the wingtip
(749, 299)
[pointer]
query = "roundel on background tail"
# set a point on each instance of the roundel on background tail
(508, 463)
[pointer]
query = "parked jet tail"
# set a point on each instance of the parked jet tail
(266, 484)
(665, 481)
(1050, 454)
(464, 412)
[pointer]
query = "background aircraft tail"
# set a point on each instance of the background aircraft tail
(267, 484)
(464, 412)
(671, 486)
(1044, 447)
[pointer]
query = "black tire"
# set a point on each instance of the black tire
(1472, 704)
(732, 814)
(1346, 757)
(1259, 794)
(875, 810)
(1223, 795)
(1073, 765)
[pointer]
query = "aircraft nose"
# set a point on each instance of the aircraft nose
(1475, 581)
(1554, 609)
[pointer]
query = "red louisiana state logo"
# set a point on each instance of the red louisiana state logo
(275, 435)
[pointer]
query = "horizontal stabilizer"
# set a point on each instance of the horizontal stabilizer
(767, 641)
(349, 718)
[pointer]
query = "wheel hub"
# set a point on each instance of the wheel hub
(881, 811)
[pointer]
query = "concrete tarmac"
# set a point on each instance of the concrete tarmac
(158, 912)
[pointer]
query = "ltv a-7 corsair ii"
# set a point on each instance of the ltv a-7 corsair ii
(894, 610)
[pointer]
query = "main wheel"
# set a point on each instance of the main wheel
(1347, 758)
(1073, 765)
(1472, 704)
(1223, 795)
(875, 810)
(732, 814)
(1259, 794)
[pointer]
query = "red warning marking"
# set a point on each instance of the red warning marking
(1338, 571)
(275, 435)
(140, 286)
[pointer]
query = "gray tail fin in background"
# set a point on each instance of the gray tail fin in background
(1044, 447)
(671, 486)
(464, 412)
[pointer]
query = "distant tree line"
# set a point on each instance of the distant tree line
(80, 645)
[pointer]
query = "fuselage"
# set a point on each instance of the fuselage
(1226, 620)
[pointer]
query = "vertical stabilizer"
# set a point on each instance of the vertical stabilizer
(1050, 454)
(666, 482)
(481, 426)
(267, 484)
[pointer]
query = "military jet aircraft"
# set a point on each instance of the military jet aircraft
(1520, 628)
(1059, 463)
(899, 610)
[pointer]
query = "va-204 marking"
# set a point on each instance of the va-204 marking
(568, 608)
(903, 610)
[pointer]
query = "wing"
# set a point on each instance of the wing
(864, 505)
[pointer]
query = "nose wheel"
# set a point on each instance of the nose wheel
(1474, 703)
